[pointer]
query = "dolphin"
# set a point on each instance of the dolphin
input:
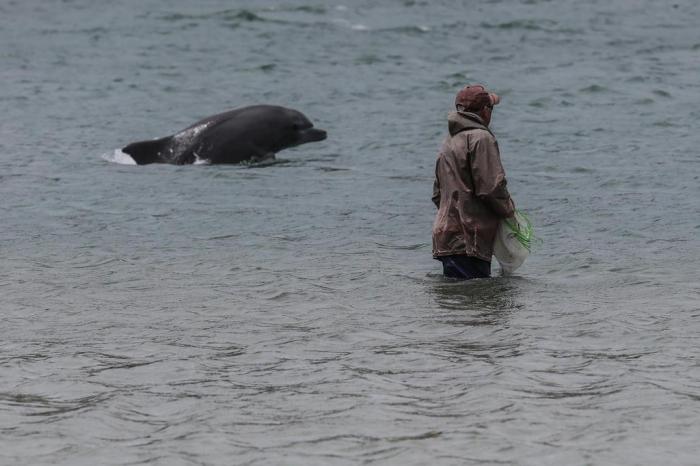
(252, 133)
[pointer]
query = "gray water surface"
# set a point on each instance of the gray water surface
(291, 313)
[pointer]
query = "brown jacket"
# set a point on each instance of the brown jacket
(469, 190)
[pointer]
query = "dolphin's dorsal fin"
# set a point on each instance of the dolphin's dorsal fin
(145, 152)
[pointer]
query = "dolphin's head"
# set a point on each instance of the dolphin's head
(301, 130)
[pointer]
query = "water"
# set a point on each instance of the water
(291, 314)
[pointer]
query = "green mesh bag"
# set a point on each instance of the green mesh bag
(521, 227)
(514, 240)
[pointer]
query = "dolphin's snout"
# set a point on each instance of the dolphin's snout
(313, 135)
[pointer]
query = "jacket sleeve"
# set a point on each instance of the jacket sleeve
(489, 177)
(436, 187)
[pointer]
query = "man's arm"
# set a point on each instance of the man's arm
(436, 188)
(490, 178)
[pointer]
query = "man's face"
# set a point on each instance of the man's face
(485, 114)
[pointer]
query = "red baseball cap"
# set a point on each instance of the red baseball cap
(475, 96)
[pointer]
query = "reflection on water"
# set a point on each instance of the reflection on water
(495, 297)
(476, 314)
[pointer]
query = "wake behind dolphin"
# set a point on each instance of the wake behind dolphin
(253, 133)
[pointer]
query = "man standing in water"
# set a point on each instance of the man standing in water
(470, 188)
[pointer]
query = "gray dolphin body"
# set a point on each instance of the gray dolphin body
(245, 134)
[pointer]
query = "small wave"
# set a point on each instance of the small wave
(661, 93)
(45, 406)
(218, 237)
(98, 264)
(664, 124)
(527, 24)
(232, 15)
(23, 398)
(125, 365)
(316, 10)
(595, 88)
(406, 247)
(539, 103)
(544, 25)
(409, 30)
(369, 59)
(240, 15)
(573, 393)
(117, 156)
(179, 17)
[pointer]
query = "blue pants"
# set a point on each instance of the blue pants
(465, 267)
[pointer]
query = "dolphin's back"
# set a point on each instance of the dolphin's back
(247, 133)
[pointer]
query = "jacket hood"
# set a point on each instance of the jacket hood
(460, 121)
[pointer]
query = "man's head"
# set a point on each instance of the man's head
(476, 99)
